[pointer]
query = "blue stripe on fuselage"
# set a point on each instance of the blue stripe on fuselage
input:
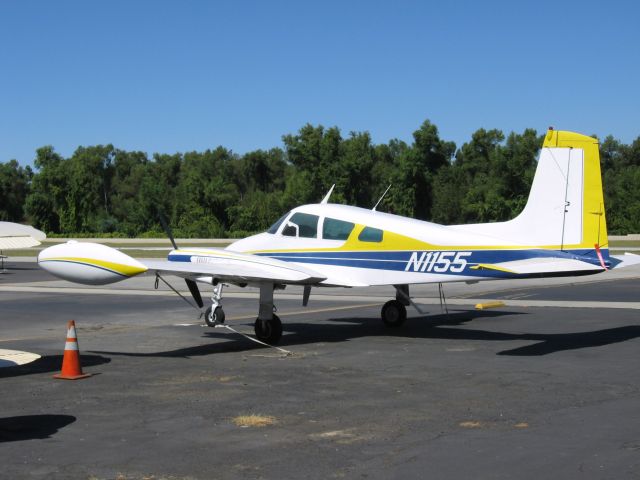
(402, 260)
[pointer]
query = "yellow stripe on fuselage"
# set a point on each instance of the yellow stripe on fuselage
(487, 266)
(393, 242)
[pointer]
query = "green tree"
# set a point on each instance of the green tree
(621, 172)
(216, 192)
(316, 152)
(352, 174)
(89, 174)
(204, 193)
(412, 177)
(14, 187)
(261, 170)
(48, 190)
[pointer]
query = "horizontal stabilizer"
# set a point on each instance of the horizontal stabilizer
(626, 260)
(541, 266)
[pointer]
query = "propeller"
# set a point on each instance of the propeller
(193, 286)
(195, 291)
(167, 230)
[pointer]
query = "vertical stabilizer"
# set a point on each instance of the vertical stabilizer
(565, 208)
(593, 228)
(554, 211)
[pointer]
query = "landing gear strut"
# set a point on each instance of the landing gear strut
(214, 315)
(268, 327)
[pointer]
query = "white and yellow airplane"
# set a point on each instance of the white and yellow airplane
(561, 232)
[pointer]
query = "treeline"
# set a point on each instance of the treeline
(216, 193)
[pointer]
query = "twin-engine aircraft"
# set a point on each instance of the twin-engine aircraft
(562, 231)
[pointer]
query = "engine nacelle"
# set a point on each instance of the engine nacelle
(89, 263)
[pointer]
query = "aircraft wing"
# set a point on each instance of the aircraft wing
(540, 266)
(14, 236)
(97, 264)
(233, 267)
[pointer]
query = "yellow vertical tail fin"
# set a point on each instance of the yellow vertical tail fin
(594, 224)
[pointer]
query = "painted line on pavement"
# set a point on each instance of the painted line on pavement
(331, 298)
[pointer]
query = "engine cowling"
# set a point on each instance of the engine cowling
(89, 263)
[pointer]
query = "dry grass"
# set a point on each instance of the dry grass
(470, 424)
(343, 437)
(621, 244)
(254, 420)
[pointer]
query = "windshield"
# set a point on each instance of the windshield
(274, 228)
(302, 225)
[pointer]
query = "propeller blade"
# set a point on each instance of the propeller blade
(195, 291)
(193, 286)
(167, 230)
(305, 295)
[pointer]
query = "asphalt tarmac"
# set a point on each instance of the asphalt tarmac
(547, 386)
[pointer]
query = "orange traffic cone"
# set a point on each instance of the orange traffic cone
(71, 369)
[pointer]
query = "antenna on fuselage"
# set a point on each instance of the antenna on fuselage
(382, 197)
(326, 197)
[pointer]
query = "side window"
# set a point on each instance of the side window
(274, 228)
(333, 229)
(369, 234)
(302, 225)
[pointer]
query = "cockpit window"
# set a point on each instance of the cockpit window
(274, 228)
(370, 234)
(333, 229)
(302, 225)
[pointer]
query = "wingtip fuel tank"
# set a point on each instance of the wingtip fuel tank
(89, 263)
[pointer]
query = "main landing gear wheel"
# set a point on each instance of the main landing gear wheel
(269, 331)
(393, 313)
(214, 316)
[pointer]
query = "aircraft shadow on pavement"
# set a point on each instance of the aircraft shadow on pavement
(446, 327)
(309, 332)
(30, 427)
(443, 327)
(49, 364)
(237, 344)
(557, 342)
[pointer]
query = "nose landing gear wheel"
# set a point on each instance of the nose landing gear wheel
(394, 313)
(269, 331)
(213, 317)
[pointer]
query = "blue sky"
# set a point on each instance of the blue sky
(168, 77)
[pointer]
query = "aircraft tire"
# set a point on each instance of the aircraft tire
(270, 331)
(393, 313)
(214, 317)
